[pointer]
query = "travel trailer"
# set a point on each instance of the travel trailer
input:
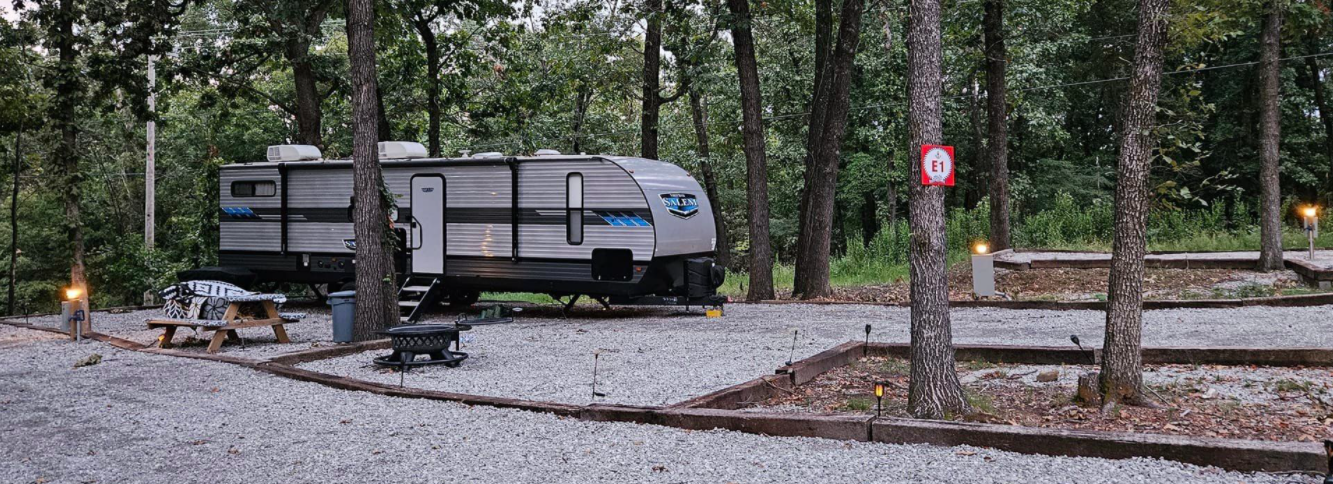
(623, 230)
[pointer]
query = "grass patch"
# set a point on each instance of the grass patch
(517, 297)
(980, 402)
(859, 404)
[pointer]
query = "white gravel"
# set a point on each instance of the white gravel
(661, 357)
(142, 418)
(1323, 258)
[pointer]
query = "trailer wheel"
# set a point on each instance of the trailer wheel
(460, 299)
(343, 286)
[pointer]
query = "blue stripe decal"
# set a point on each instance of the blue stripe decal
(239, 212)
(621, 219)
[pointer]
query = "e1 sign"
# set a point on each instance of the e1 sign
(937, 165)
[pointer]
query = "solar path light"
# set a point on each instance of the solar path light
(983, 270)
(879, 398)
(1311, 226)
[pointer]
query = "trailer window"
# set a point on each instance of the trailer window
(253, 189)
(574, 208)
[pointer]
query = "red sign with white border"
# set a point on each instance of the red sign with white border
(937, 166)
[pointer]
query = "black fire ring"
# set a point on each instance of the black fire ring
(432, 340)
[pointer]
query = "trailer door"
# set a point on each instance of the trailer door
(428, 226)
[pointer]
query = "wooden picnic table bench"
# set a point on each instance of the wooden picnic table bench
(231, 321)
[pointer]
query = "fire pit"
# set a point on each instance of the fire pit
(423, 339)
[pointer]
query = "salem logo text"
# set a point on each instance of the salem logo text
(683, 205)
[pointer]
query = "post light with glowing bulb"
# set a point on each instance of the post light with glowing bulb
(879, 398)
(983, 270)
(75, 312)
(1311, 213)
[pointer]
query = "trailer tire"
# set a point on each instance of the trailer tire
(461, 299)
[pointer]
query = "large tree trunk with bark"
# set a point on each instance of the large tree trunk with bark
(432, 48)
(14, 219)
(815, 129)
(822, 182)
(933, 391)
(652, 79)
(1122, 372)
(997, 114)
(756, 165)
(1326, 117)
(376, 287)
(308, 111)
(1270, 192)
(699, 113)
(68, 93)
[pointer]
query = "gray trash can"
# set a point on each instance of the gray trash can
(344, 312)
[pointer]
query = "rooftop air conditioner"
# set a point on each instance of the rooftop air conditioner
(546, 153)
(293, 153)
(401, 150)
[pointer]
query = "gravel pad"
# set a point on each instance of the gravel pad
(150, 418)
(657, 357)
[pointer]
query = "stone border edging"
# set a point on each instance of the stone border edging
(1232, 454)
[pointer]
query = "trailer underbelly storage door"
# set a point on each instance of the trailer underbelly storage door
(428, 232)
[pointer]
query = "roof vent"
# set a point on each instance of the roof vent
(488, 154)
(293, 153)
(546, 153)
(401, 150)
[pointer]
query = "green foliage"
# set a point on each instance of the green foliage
(516, 77)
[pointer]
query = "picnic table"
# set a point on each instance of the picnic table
(232, 320)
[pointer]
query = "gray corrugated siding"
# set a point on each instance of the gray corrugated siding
(541, 186)
(249, 235)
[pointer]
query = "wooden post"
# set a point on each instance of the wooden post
(150, 170)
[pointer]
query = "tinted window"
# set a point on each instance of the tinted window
(253, 189)
(574, 208)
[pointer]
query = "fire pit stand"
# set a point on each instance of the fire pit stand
(423, 339)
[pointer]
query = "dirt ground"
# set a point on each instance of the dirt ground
(1278, 404)
(1090, 285)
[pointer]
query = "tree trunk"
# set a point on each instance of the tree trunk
(1121, 374)
(308, 114)
(14, 218)
(68, 92)
(756, 165)
(432, 84)
(818, 96)
(376, 287)
(652, 78)
(933, 391)
(869, 219)
(581, 100)
(1321, 103)
(997, 146)
(822, 184)
(892, 197)
(384, 131)
(1270, 194)
(699, 113)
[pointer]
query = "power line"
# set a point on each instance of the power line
(1066, 84)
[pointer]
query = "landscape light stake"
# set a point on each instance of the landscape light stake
(879, 399)
(1311, 226)
(794, 333)
(595, 394)
(865, 349)
(1093, 356)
